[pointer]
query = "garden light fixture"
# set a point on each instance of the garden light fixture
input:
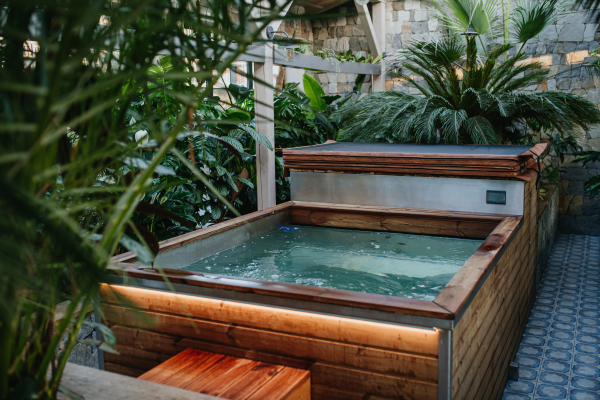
(289, 56)
(470, 32)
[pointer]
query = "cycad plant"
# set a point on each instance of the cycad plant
(464, 99)
(70, 172)
(505, 21)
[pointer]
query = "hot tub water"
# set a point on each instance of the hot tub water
(397, 264)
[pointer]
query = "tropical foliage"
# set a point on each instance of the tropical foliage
(513, 21)
(592, 185)
(463, 99)
(218, 141)
(71, 172)
(225, 153)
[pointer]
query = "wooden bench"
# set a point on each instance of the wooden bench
(231, 377)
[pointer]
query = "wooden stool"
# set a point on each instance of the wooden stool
(231, 377)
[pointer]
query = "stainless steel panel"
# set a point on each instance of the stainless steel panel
(191, 252)
(429, 193)
(445, 365)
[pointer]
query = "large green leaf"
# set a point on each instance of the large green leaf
(315, 92)
(530, 18)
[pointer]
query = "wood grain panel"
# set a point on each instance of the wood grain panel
(457, 292)
(394, 223)
(379, 384)
(123, 370)
(230, 377)
(347, 330)
(369, 359)
(329, 393)
(487, 336)
(171, 344)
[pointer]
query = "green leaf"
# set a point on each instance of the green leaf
(330, 98)
(246, 182)
(215, 212)
(592, 186)
(238, 114)
(142, 253)
(481, 131)
(239, 93)
(530, 18)
(315, 92)
(142, 164)
(258, 137)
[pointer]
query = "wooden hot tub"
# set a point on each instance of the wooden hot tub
(356, 345)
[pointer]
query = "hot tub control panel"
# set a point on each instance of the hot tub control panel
(495, 197)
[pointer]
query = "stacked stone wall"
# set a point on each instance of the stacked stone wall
(563, 48)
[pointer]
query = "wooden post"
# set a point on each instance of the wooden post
(379, 28)
(375, 31)
(365, 20)
(265, 158)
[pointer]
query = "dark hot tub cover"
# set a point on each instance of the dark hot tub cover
(491, 161)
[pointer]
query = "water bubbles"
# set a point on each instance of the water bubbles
(354, 260)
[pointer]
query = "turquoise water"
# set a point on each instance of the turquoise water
(397, 264)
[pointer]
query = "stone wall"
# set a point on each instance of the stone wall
(547, 231)
(82, 354)
(578, 213)
(562, 48)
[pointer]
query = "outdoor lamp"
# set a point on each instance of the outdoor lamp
(289, 48)
(470, 32)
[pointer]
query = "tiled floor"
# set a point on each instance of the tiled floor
(559, 355)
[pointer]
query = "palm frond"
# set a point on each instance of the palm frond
(481, 130)
(486, 106)
(531, 17)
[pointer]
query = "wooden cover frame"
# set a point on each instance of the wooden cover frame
(497, 230)
(517, 166)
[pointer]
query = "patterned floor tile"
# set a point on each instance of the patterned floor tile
(559, 355)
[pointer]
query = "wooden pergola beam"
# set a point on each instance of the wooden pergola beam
(375, 32)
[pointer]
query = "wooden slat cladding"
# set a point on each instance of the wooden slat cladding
(398, 159)
(487, 336)
(294, 322)
(230, 377)
(407, 161)
(386, 219)
(524, 175)
(343, 355)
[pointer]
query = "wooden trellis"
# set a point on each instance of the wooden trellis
(266, 56)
